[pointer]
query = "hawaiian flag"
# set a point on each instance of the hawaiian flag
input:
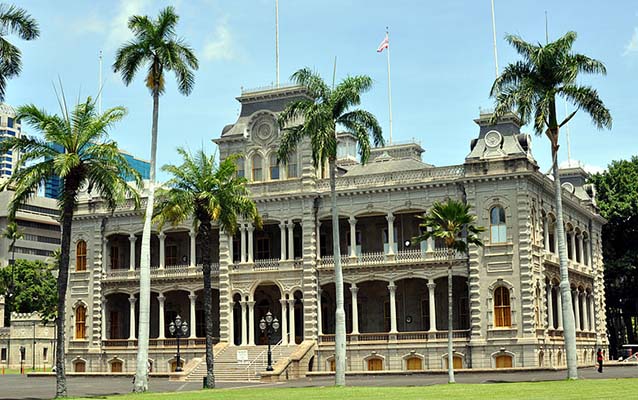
(384, 44)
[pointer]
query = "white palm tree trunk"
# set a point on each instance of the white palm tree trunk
(450, 326)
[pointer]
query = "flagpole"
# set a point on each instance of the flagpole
(494, 39)
(99, 87)
(387, 35)
(277, 39)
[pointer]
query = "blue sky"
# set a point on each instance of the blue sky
(442, 64)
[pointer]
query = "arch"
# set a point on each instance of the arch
(498, 225)
(265, 282)
(374, 362)
(116, 365)
(541, 358)
(331, 364)
(503, 359)
(79, 365)
(267, 298)
(457, 360)
(413, 362)
(80, 256)
(80, 322)
(502, 308)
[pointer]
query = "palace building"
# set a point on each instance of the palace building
(506, 298)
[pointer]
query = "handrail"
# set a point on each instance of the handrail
(253, 363)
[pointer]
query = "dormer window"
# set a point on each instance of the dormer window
(257, 175)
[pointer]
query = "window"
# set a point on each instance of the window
(115, 257)
(257, 168)
(115, 325)
(414, 364)
(502, 310)
(80, 256)
(10, 122)
(3, 354)
(240, 167)
(274, 167)
(79, 366)
(552, 233)
(457, 362)
(375, 364)
(498, 228)
(292, 166)
(45, 354)
(332, 365)
(171, 255)
(116, 366)
(263, 247)
(80, 322)
(503, 362)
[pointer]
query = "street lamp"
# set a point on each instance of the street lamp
(269, 325)
(179, 329)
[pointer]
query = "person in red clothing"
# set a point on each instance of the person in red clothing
(599, 359)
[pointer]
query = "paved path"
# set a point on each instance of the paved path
(20, 387)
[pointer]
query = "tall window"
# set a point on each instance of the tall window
(240, 167)
(257, 175)
(80, 256)
(115, 257)
(502, 309)
(498, 229)
(292, 166)
(80, 322)
(274, 167)
(171, 255)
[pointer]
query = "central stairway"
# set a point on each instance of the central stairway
(228, 369)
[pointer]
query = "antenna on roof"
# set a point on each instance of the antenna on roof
(99, 86)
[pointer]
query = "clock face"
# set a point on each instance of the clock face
(264, 129)
(493, 139)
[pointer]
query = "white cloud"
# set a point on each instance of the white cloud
(90, 24)
(118, 26)
(220, 45)
(632, 46)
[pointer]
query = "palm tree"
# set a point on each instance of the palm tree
(13, 20)
(12, 233)
(157, 48)
(452, 223)
(75, 148)
(207, 193)
(531, 87)
(320, 115)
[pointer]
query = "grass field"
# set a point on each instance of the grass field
(582, 389)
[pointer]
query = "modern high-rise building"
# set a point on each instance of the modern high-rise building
(9, 127)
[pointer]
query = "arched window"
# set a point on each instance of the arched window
(240, 167)
(502, 309)
(498, 229)
(80, 256)
(292, 165)
(257, 175)
(80, 322)
(274, 167)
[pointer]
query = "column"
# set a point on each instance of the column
(589, 254)
(242, 232)
(432, 304)
(244, 322)
(291, 320)
(583, 311)
(104, 301)
(132, 238)
(318, 239)
(592, 314)
(193, 255)
(282, 231)
(162, 325)
(193, 322)
(390, 218)
(580, 249)
(430, 242)
(131, 331)
(251, 230)
(393, 307)
(355, 309)
(572, 243)
(576, 301)
(550, 306)
(319, 323)
(559, 300)
(105, 254)
(251, 323)
(291, 240)
(546, 233)
(555, 241)
(353, 236)
(162, 250)
(231, 255)
(284, 318)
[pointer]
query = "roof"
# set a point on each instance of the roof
(384, 164)
(7, 109)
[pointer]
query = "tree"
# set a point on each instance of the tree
(34, 287)
(75, 148)
(531, 87)
(617, 197)
(12, 233)
(207, 193)
(157, 48)
(320, 115)
(452, 223)
(13, 20)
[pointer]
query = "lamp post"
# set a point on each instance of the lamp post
(179, 329)
(269, 325)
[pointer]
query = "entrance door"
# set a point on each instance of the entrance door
(414, 364)
(503, 362)
(116, 366)
(375, 364)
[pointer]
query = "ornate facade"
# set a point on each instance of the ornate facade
(506, 311)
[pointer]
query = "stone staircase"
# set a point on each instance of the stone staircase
(227, 369)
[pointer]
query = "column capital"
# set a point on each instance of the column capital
(132, 300)
(243, 302)
(319, 291)
(242, 227)
(105, 240)
(431, 285)
(354, 289)
(291, 302)
(251, 303)
(192, 233)
(352, 220)
(318, 224)
(390, 217)
(161, 298)
(132, 237)
(104, 301)
(161, 235)
(250, 227)
(392, 287)
(192, 297)
(290, 224)
(282, 224)
(283, 302)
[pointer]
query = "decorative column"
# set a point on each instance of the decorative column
(231, 255)
(231, 324)
(244, 322)
(162, 325)
(131, 330)
(583, 311)
(432, 304)
(319, 323)
(318, 239)
(251, 230)
(589, 254)
(393, 307)
(132, 238)
(162, 250)
(576, 301)
(251, 323)
(355, 309)
(282, 231)
(555, 241)
(580, 249)
(104, 301)
(106, 256)
(193, 323)
(291, 240)
(353, 236)
(284, 317)
(550, 306)
(390, 218)
(242, 232)
(291, 320)
(193, 254)
(572, 243)
(592, 316)
(559, 300)
(546, 233)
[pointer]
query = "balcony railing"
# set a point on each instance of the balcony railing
(170, 271)
(417, 336)
(155, 343)
(269, 264)
(401, 257)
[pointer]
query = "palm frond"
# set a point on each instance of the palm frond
(17, 21)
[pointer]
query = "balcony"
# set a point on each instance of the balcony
(156, 343)
(269, 264)
(170, 272)
(402, 257)
(402, 337)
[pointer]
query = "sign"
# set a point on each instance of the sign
(242, 357)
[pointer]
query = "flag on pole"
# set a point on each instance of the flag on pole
(384, 44)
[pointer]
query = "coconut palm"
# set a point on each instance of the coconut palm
(207, 193)
(317, 118)
(12, 233)
(452, 223)
(13, 20)
(75, 148)
(157, 48)
(531, 87)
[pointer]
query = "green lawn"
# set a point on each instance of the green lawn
(617, 389)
